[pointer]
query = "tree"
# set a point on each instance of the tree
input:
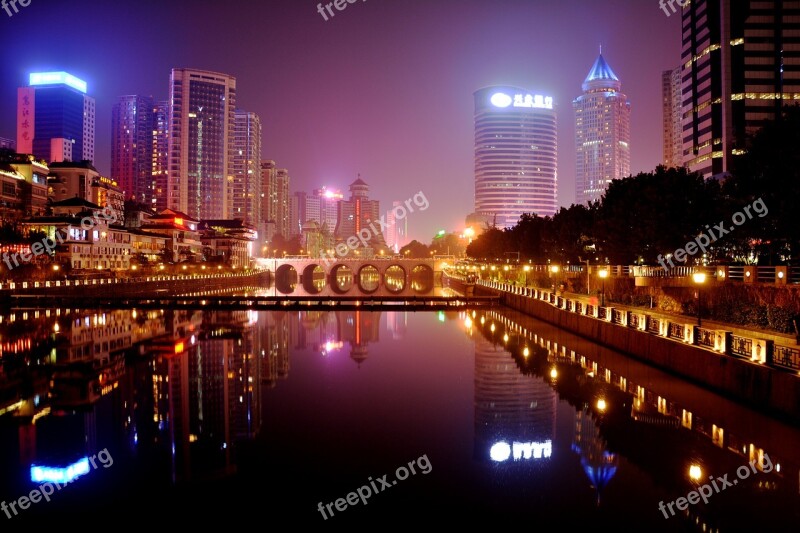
(415, 250)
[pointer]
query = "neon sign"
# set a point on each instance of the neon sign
(53, 78)
(534, 101)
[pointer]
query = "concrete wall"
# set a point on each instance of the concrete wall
(751, 383)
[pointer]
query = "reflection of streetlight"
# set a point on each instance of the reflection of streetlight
(695, 472)
(699, 278)
(601, 405)
(603, 275)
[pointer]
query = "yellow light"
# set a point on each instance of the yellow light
(699, 277)
(526, 352)
(133, 267)
(56, 327)
(603, 274)
(184, 267)
(554, 269)
(491, 328)
(161, 267)
(526, 268)
(601, 405)
(482, 320)
(695, 472)
(505, 268)
(493, 269)
(553, 373)
(505, 337)
(469, 232)
(468, 322)
(55, 268)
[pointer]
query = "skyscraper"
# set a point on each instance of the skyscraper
(282, 220)
(55, 106)
(245, 193)
(201, 142)
(132, 145)
(269, 198)
(671, 117)
(160, 155)
(328, 207)
(741, 64)
(515, 154)
(396, 230)
(602, 133)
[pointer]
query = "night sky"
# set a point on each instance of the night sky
(383, 89)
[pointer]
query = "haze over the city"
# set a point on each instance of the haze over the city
(382, 89)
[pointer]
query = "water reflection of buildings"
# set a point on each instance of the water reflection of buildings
(397, 324)
(612, 405)
(325, 332)
(515, 414)
(598, 464)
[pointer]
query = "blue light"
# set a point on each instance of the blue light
(55, 78)
(59, 474)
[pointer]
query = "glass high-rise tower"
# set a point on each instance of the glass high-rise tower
(602, 133)
(55, 118)
(515, 154)
(131, 146)
(740, 65)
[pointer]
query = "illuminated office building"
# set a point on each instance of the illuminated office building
(515, 154)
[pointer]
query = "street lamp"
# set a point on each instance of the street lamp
(699, 278)
(526, 269)
(554, 271)
(603, 275)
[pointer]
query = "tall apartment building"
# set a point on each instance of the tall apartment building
(328, 207)
(282, 220)
(671, 118)
(55, 107)
(396, 230)
(245, 188)
(160, 155)
(740, 65)
(602, 133)
(131, 146)
(201, 142)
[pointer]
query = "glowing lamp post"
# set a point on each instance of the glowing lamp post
(699, 278)
(603, 275)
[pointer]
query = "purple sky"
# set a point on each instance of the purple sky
(383, 89)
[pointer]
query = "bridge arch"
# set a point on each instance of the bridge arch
(341, 278)
(394, 278)
(314, 278)
(422, 279)
(286, 279)
(368, 278)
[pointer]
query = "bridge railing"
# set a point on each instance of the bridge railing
(757, 350)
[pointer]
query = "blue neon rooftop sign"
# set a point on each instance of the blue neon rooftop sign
(55, 78)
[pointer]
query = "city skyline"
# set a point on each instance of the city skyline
(327, 128)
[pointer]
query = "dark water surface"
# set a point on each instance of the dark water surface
(178, 418)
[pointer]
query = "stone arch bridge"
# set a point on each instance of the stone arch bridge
(354, 277)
